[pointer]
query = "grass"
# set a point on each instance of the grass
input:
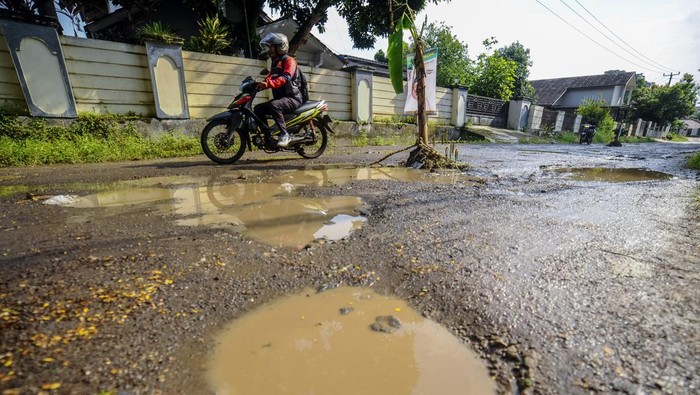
(558, 138)
(89, 139)
(635, 139)
(676, 137)
(694, 161)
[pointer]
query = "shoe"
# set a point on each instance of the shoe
(284, 140)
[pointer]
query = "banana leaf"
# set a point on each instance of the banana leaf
(395, 55)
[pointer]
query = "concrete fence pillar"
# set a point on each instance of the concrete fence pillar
(518, 113)
(361, 94)
(459, 106)
(167, 80)
(637, 129)
(534, 119)
(559, 123)
(577, 123)
(665, 131)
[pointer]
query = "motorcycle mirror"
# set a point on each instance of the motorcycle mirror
(264, 72)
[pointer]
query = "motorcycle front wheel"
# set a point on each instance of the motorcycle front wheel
(218, 146)
(317, 142)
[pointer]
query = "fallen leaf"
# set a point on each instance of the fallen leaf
(51, 386)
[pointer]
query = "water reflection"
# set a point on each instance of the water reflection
(264, 212)
(262, 206)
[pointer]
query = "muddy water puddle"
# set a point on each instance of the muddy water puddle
(342, 341)
(603, 174)
(260, 206)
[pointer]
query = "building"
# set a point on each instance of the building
(692, 127)
(567, 94)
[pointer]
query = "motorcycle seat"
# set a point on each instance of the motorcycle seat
(306, 107)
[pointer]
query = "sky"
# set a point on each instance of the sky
(656, 37)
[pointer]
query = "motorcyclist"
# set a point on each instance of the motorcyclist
(285, 92)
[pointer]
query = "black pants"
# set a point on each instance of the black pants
(276, 109)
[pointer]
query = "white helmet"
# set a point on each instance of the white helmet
(278, 39)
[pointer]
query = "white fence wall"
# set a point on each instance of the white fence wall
(11, 96)
(109, 77)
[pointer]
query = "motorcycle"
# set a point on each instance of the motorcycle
(587, 133)
(227, 135)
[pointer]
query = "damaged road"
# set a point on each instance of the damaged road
(560, 284)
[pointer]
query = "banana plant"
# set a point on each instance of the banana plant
(395, 55)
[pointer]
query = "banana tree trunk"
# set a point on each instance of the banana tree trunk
(421, 114)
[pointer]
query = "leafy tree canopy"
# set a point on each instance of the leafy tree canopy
(665, 104)
(367, 19)
(453, 59)
(494, 76)
(380, 56)
(521, 56)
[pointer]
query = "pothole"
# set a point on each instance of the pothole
(262, 207)
(604, 174)
(342, 341)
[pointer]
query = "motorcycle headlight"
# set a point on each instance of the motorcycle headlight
(247, 81)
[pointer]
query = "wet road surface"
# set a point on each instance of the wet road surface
(561, 285)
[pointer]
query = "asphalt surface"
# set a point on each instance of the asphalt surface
(560, 285)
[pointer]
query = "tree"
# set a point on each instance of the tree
(665, 104)
(367, 19)
(44, 8)
(453, 59)
(380, 56)
(493, 76)
(521, 56)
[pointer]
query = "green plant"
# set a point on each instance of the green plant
(157, 31)
(361, 140)
(676, 137)
(596, 113)
(213, 37)
(395, 118)
(90, 138)
(568, 137)
(635, 139)
(694, 161)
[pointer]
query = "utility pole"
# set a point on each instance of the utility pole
(670, 76)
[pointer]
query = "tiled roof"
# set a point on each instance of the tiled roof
(691, 123)
(549, 91)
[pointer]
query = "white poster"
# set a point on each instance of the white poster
(430, 60)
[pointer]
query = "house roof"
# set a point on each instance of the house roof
(691, 123)
(550, 90)
(288, 27)
(379, 68)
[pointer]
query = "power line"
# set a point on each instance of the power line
(658, 79)
(588, 37)
(620, 38)
(610, 39)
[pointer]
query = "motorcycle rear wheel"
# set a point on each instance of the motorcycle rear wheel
(218, 147)
(315, 149)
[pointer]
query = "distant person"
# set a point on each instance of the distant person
(285, 92)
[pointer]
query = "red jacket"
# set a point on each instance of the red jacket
(282, 78)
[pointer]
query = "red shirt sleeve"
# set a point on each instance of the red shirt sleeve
(278, 81)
